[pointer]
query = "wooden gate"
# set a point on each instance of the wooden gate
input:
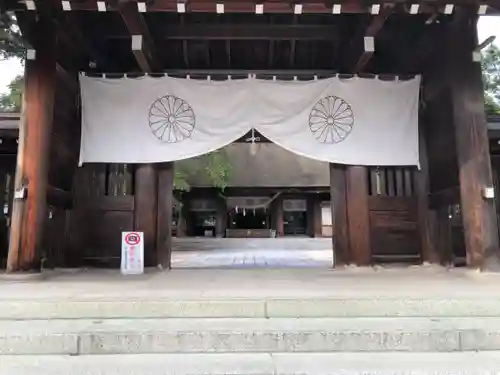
(393, 215)
(104, 207)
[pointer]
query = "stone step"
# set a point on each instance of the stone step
(469, 363)
(231, 335)
(150, 306)
(282, 243)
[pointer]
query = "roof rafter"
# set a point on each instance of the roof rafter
(207, 31)
(246, 6)
(362, 45)
(143, 46)
(70, 34)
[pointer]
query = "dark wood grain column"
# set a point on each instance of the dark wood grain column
(310, 215)
(338, 202)
(30, 213)
(427, 220)
(145, 209)
(280, 220)
(358, 218)
(471, 134)
(221, 219)
(164, 219)
(317, 217)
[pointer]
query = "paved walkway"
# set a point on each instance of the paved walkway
(287, 252)
(254, 258)
(406, 282)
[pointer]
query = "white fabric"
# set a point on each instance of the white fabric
(356, 121)
(380, 128)
(116, 118)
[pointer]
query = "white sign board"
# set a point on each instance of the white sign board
(132, 253)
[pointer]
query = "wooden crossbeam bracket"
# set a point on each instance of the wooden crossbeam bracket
(142, 43)
(362, 45)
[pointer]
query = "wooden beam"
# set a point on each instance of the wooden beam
(270, 7)
(362, 46)
(366, 55)
(142, 43)
(30, 209)
(471, 135)
(201, 31)
(164, 219)
(145, 209)
(427, 218)
(338, 203)
(358, 218)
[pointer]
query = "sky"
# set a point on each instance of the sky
(487, 26)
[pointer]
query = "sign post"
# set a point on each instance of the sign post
(132, 262)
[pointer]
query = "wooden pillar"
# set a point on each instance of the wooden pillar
(427, 220)
(471, 135)
(358, 218)
(338, 202)
(280, 220)
(187, 215)
(30, 213)
(164, 218)
(276, 214)
(145, 209)
(221, 219)
(181, 219)
(310, 202)
(317, 218)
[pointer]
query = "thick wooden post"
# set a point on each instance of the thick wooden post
(221, 219)
(145, 207)
(358, 218)
(426, 217)
(310, 202)
(471, 134)
(280, 220)
(338, 203)
(30, 211)
(164, 218)
(317, 217)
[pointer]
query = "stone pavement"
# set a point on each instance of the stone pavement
(469, 363)
(346, 283)
(259, 258)
(403, 320)
(284, 252)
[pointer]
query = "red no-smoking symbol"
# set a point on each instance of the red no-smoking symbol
(132, 239)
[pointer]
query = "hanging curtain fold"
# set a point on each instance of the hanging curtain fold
(144, 120)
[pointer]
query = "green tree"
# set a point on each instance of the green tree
(11, 101)
(214, 168)
(491, 79)
(11, 41)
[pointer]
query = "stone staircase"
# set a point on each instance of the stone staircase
(249, 336)
(288, 243)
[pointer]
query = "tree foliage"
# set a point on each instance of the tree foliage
(491, 79)
(11, 41)
(214, 168)
(11, 101)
